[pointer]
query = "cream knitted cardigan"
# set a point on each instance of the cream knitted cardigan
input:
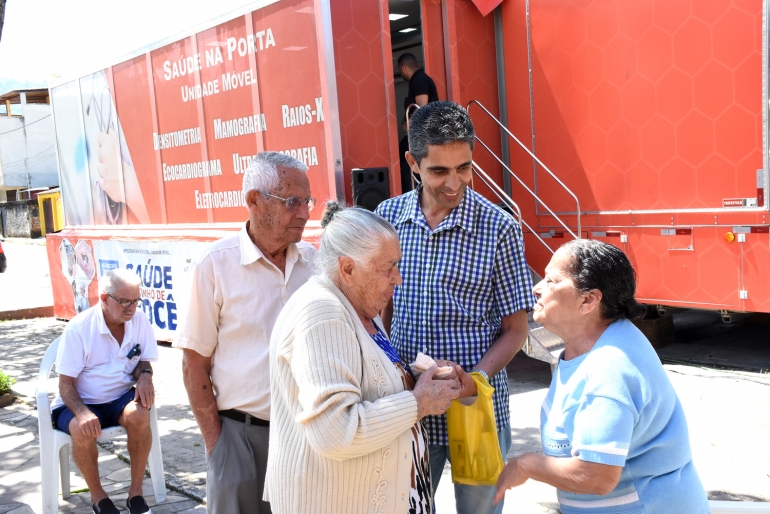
(340, 422)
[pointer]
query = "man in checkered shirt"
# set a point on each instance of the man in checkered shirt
(466, 288)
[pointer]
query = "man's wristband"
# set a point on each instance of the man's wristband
(146, 370)
(482, 373)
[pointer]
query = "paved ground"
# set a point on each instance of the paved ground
(702, 338)
(728, 413)
(26, 282)
(22, 345)
(20, 473)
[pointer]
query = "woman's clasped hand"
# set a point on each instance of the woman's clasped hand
(434, 395)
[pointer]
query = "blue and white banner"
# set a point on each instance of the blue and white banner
(165, 268)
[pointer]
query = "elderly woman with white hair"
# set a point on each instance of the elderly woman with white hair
(346, 435)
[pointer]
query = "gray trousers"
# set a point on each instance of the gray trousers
(236, 470)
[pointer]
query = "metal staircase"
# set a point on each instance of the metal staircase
(541, 344)
(504, 197)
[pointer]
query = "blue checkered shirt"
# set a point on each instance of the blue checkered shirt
(460, 280)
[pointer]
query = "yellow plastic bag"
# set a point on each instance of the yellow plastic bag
(473, 445)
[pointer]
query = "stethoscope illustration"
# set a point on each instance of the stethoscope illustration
(103, 113)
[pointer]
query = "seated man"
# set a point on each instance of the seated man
(103, 353)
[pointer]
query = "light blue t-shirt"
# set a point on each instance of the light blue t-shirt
(615, 405)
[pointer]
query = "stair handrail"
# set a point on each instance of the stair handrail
(537, 198)
(538, 161)
(503, 196)
(406, 117)
(487, 180)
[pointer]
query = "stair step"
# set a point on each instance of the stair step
(541, 344)
(548, 339)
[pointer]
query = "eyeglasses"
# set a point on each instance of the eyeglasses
(126, 303)
(294, 202)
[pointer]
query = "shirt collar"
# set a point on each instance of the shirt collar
(464, 215)
(415, 74)
(251, 253)
(104, 330)
(100, 317)
(305, 251)
(411, 210)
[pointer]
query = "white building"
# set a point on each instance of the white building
(27, 144)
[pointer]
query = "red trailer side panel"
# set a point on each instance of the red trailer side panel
(367, 105)
(651, 112)
(648, 105)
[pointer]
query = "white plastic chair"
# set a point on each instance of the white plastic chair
(54, 444)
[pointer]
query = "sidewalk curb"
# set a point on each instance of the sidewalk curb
(173, 483)
(23, 240)
(28, 313)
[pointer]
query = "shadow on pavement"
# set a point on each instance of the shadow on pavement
(703, 338)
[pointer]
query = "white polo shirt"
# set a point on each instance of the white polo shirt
(235, 299)
(90, 353)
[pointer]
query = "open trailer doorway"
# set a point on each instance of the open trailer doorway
(406, 40)
(406, 37)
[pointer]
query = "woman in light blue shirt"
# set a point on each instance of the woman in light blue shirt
(613, 430)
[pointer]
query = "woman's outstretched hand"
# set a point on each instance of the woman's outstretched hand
(510, 477)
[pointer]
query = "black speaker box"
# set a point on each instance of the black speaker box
(370, 187)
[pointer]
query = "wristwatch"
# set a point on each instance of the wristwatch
(482, 373)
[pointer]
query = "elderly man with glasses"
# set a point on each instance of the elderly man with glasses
(105, 380)
(240, 284)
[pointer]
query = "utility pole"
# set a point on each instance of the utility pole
(23, 101)
(2, 17)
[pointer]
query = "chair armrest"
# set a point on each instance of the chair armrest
(43, 409)
(41, 391)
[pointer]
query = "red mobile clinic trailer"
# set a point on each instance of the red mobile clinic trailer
(642, 123)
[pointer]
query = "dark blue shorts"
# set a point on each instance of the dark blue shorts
(108, 413)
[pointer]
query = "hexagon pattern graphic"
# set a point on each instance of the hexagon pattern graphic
(361, 86)
(634, 98)
(478, 81)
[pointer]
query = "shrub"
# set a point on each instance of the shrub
(6, 381)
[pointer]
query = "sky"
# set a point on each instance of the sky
(43, 39)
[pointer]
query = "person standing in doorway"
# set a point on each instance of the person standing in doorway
(422, 91)
(466, 284)
(407, 179)
(240, 284)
